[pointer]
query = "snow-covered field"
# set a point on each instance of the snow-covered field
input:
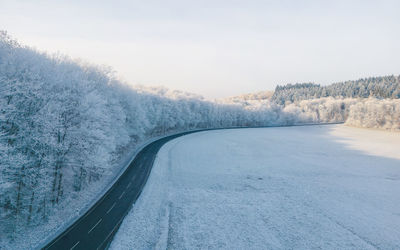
(330, 187)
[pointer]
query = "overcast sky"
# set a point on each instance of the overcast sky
(216, 48)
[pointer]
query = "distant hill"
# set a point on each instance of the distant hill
(246, 99)
(379, 87)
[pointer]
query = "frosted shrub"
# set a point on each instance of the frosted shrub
(375, 113)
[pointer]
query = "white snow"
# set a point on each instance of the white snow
(306, 187)
(372, 142)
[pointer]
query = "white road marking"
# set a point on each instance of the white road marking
(129, 185)
(74, 245)
(111, 207)
(94, 226)
(121, 195)
(111, 232)
(52, 244)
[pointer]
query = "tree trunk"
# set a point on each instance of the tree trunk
(44, 208)
(53, 190)
(59, 189)
(31, 206)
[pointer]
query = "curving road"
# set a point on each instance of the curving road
(96, 228)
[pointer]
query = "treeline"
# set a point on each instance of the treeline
(377, 87)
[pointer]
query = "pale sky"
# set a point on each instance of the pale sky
(216, 48)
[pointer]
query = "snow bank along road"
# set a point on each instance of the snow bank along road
(329, 187)
(95, 229)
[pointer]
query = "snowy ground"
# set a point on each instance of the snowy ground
(330, 187)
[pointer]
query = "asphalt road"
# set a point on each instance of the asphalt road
(96, 228)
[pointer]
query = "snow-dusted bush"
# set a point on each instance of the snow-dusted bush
(360, 112)
(321, 110)
(375, 113)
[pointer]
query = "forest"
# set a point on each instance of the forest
(377, 87)
(65, 125)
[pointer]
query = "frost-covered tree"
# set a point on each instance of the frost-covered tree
(64, 125)
(375, 113)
